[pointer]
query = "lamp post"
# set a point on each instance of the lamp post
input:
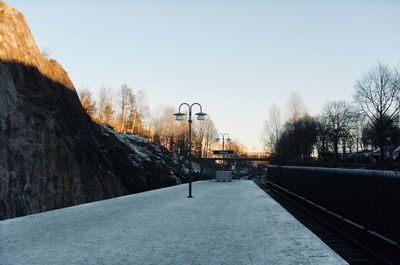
(179, 117)
(223, 144)
(223, 139)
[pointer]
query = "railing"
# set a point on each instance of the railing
(370, 198)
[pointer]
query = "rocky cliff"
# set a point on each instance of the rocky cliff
(51, 154)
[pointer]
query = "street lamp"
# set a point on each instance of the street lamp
(217, 139)
(223, 139)
(201, 116)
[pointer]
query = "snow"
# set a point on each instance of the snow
(142, 151)
(225, 223)
(195, 168)
(132, 141)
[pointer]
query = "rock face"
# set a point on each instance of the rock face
(51, 154)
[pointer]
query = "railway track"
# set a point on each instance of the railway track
(348, 239)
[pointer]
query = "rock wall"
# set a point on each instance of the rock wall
(17, 45)
(51, 154)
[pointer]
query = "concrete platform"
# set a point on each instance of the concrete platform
(225, 223)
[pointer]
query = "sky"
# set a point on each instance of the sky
(235, 58)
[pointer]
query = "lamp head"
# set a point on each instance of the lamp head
(179, 116)
(201, 116)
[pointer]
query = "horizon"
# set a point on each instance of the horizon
(235, 58)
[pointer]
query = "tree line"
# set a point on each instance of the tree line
(127, 111)
(369, 122)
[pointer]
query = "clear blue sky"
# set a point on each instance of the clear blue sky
(236, 58)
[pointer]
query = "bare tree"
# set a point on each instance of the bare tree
(142, 110)
(339, 118)
(272, 129)
(297, 140)
(198, 138)
(378, 97)
(209, 135)
(169, 133)
(238, 148)
(88, 103)
(125, 95)
(323, 143)
(106, 106)
(134, 123)
(204, 134)
(295, 107)
(356, 132)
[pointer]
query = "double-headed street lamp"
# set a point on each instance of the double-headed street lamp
(201, 116)
(217, 139)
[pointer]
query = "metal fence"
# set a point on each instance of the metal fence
(370, 198)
